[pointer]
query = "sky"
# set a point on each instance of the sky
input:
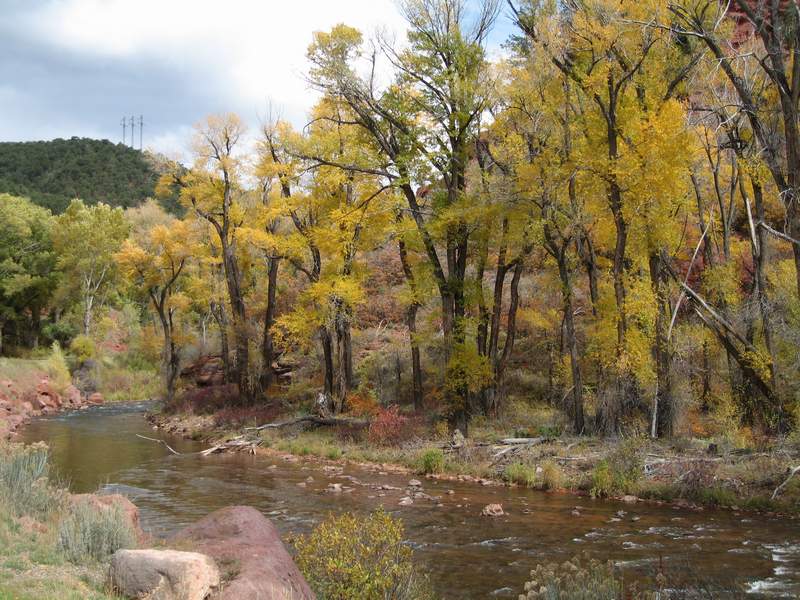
(75, 67)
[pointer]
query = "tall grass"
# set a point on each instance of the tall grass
(24, 488)
(89, 533)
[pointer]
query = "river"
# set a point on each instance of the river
(468, 556)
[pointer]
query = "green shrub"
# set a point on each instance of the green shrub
(432, 461)
(24, 487)
(552, 478)
(92, 533)
(579, 579)
(333, 453)
(520, 473)
(348, 557)
(621, 472)
(602, 481)
(57, 368)
(83, 348)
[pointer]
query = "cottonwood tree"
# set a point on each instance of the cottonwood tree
(154, 266)
(214, 191)
(85, 239)
(424, 126)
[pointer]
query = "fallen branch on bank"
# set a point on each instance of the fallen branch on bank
(314, 420)
(778, 489)
(144, 437)
(240, 442)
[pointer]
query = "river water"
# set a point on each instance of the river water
(468, 556)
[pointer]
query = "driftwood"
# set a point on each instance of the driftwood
(144, 437)
(778, 489)
(522, 441)
(314, 420)
(241, 442)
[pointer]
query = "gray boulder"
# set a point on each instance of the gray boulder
(163, 574)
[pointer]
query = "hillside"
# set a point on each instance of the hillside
(52, 173)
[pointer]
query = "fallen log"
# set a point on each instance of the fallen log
(144, 437)
(314, 420)
(522, 441)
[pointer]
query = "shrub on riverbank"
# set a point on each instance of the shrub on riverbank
(90, 534)
(33, 512)
(348, 557)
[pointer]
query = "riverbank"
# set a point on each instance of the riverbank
(34, 387)
(687, 473)
(53, 544)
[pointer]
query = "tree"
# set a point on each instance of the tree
(424, 127)
(27, 263)
(213, 189)
(85, 239)
(155, 267)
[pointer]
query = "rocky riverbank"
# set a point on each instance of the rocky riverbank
(20, 401)
(689, 474)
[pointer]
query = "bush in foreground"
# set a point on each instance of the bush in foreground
(91, 534)
(579, 579)
(348, 557)
(24, 488)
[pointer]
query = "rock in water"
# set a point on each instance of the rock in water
(242, 536)
(493, 510)
(163, 574)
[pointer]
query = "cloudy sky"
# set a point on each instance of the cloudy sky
(75, 67)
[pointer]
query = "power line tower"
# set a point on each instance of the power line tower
(133, 131)
(141, 128)
(124, 125)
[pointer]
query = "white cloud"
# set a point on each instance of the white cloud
(244, 54)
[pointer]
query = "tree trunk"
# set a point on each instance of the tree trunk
(327, 354)
(88, 305)
(267, 343)
(576, 410)
(411, 323)
(221, 318)
(344, 356)
(416, 364)
(663, 413)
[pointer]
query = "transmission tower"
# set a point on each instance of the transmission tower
(133, 131)
(141, 128)
(124, 125)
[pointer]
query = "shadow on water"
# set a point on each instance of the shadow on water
(469, 556)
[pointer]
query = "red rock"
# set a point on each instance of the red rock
(73, 396)
(243, 536)
(96, 398)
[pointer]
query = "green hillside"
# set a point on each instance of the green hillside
(54, 172)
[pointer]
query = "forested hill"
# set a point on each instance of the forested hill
(51, 173)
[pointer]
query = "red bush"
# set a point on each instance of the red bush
(389, 427)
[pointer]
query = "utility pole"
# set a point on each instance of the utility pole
(141, 128)
(133, 131)
(124, 124)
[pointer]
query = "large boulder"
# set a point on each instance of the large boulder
(163, 574)
(242, 536)
(108, 502)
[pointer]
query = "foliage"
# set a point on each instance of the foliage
(552, 477)
(91, 534)
(348, 557)
(388, 427)
(57, 368)
(432, 461)
(621, 471)
(520, 473)
(82, 348)
(24, 488)
(581, 578)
